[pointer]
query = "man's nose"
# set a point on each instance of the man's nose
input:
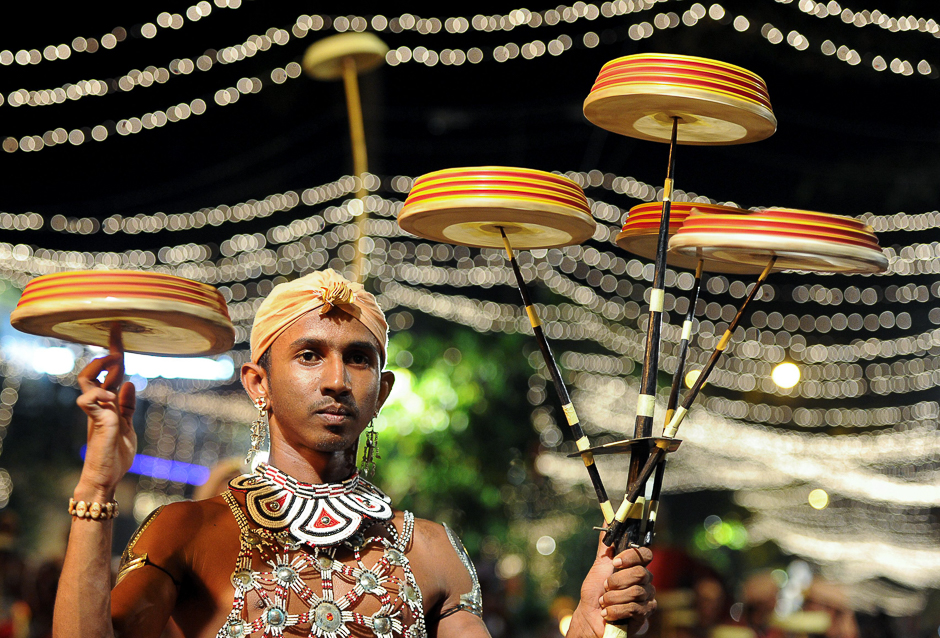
(335, 379)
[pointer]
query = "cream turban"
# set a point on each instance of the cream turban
(324, 289)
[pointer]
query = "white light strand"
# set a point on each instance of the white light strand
(429, 57)
(153, 75)
(166, 20)
(255, 260)
(915, 566)
(747, 456)
(303, 25)
(866, 18)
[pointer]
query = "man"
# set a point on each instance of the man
(303, 546)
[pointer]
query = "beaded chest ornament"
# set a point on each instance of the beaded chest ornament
(327, 519)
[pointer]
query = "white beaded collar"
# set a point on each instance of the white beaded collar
(316, 515)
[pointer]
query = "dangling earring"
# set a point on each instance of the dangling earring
(259, 432)
(371, 451)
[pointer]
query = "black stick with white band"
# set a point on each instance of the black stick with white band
(631, 514)
(567, 407)
(653, 505)
(671, 429)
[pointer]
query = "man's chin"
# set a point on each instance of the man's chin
(335, 440)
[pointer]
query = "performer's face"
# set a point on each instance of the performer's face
(325, 382)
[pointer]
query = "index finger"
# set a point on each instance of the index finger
(633, 556)
(116, 349)
(88, 377)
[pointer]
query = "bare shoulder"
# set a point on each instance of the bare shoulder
(437, 562)
(185, 520)
(430, 536)
(168, 535)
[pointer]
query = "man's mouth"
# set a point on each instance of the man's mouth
(335, 413)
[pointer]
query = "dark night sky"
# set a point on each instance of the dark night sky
(849, 140)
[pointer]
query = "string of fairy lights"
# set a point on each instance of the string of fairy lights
(244, 256)
(110, 40)
(866, 18)
(305, 24)
(453, 25)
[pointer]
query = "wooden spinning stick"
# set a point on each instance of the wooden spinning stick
(616, 534)
(647, 398)
(652, 508)
(567, 407)
(346, 56)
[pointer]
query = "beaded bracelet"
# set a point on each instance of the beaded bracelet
(95, 511)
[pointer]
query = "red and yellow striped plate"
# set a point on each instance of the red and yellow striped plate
(814, 242)
(715, 102)
(468, 206)
(640, 233)
(156, 313)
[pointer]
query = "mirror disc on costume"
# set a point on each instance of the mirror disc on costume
(408, 593)
(235, 628)
(395, 557)
(243, 579)
(382, 624)
(286, 574)
(715, 102)
(327, 616)
(469, 207)
(276, 617)
(368, 581)
(155, 313)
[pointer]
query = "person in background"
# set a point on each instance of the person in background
(823, 595)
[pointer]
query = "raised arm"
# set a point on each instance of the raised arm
(83, 600)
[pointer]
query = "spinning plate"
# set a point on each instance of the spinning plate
(469, 206)
(627, 445)
(324, 58)
(716, 102)
(831, 244)
(156, 313)
(641, 230)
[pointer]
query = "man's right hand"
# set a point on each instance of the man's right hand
(112, 441)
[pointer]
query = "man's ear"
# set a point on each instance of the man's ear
(255, 381)
(386, 382)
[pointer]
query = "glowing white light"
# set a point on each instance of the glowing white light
(54, 361)
(150, 367)
(545, 545)
(786, 375)
(818, 499)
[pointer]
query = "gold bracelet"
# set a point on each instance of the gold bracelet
(93, 510)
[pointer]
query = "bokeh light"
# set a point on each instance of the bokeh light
(786, 375)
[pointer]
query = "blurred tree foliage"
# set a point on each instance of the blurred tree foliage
(458, 445)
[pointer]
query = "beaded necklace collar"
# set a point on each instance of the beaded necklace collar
(316, 515)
